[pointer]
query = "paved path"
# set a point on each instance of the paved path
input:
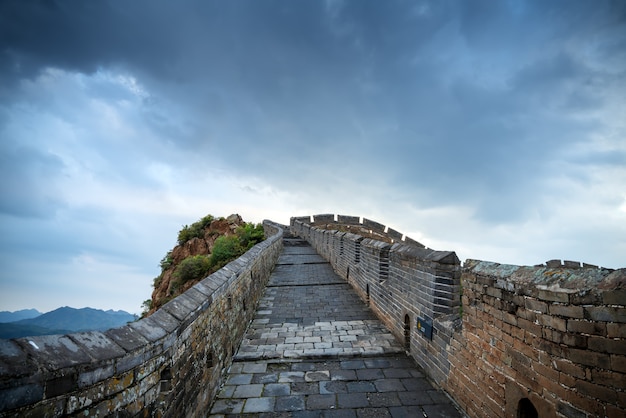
(314, 349)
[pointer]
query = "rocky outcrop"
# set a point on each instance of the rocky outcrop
(164, 289)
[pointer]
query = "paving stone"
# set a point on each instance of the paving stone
(352, 400)
(406, 411)
(317, 376)
(255, 367)
(248, 391)
(321, 401)
(286, 377)
(441, 411)
(290, 403)
(385, 399)
(415, 398)
(360, 387)
(239, 379)
(377, 363)
(305, 388)
(343, 374)
(227, 406)
(353, 364)
(265, 378)
(304, 367)
(226, 392)
(340, 413)
(259, 405)
(416, 384)
(277, 389)
(370, 374)
(389, 385)
(397, 373)
(332, 387)
(373, 412)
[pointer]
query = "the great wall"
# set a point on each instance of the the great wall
(501, 340)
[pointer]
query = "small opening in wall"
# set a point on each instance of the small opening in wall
(230, 302)
(407, 333)
(209, 360)
(348, 273)
(526, 409)
(367, 293)
(165, 380)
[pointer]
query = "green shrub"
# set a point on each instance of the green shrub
(166, 261)
(249, 235)
(225, 249)
(194, 267)
(195, 230)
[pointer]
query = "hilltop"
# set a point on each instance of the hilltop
(203, 247)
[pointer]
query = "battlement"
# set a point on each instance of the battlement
(549, 338)
(502, 340)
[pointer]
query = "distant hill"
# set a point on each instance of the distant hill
(66, 320)
(6, 316)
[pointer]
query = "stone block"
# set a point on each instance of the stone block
(15, 397)
(180, 307)
(54, 352)
(149, 328)
(606, 313)
(374, 226)
(61, 385)
(127, 337)
(323, 218)
(97, 345)
(14, 361)
(164, 320)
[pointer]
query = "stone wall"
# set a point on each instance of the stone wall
(414, 290)
(169, 364)
(549, 339)
(553, 336)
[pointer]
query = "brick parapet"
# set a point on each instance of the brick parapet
(552, 334)
(403, 282)
(169, 364)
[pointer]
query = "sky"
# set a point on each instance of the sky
(496, 129)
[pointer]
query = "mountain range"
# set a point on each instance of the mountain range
(63, 320)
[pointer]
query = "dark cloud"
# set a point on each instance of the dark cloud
(489, 111)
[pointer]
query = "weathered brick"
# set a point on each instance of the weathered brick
(606, 313)
(608, 378)
(618, 363)
(614, 330)
(589, 358)
(553, 322)
(569, 311)
(586, 327)
(553, 296)
(607, 345)
(569, 368)
(536, 305)
(603, 393)
(614, 297)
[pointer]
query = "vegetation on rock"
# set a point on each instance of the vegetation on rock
(203, 248)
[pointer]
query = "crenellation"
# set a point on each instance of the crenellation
(489, 334)
(552, 333)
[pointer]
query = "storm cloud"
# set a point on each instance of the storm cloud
(495, 129)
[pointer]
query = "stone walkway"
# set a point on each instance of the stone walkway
(314, 349)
